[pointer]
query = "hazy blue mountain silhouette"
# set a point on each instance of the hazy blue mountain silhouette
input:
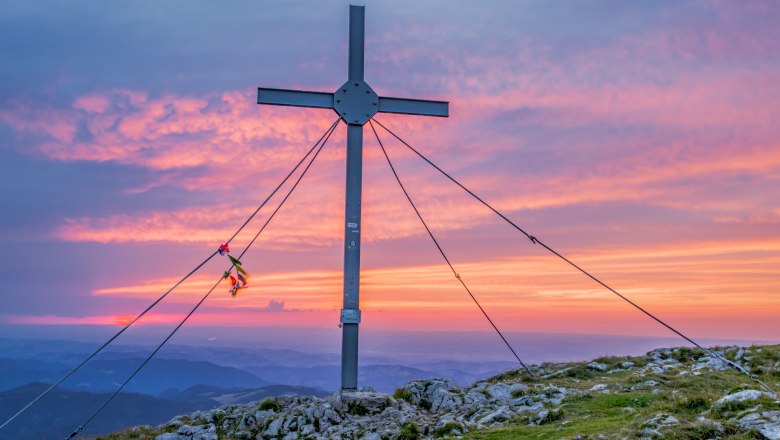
(105, 375)
(56, 415)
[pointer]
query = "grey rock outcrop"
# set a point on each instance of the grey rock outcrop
(434, 405)
(741, 396)
(438, 407)
(767, 423)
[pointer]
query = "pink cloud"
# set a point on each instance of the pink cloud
(222, 132)
(23, 119)
(119, 320)
(92, 103)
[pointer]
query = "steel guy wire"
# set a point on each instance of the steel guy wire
(164, 295)
(203, 299)
(535, 240)
(441, 251)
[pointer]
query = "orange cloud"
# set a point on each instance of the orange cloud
(700, 286)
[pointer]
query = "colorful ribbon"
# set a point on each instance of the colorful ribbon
(240, 281)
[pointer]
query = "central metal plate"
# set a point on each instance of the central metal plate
(356, 102)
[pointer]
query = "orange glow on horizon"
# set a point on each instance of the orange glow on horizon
(701, 285)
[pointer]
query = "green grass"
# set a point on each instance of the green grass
(519, 393)
(410, 431)
(704, 431)
(135, 434)
(402, 394)
(692, 405)
(270, 404)
(356, 409)
(446, 429)
(622, 414)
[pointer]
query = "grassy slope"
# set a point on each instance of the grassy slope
(623, 412)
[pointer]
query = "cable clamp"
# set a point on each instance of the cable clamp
(457, 275)
(533, 239)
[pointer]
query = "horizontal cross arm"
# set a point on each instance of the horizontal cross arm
(414, 106)
(295, 98)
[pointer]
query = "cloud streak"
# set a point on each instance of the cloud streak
(641, 140)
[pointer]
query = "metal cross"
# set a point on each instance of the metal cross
(356, 103)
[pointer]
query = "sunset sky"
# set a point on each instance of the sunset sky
(640, 139)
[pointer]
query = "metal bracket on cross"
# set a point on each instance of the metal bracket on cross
(356, 103)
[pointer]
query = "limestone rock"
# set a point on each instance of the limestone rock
(712, 363)
(275, 427)
(517, 388)
(645, 385)
(438, 394)
(653, 427)
(499, 391)
(767, 423)
(370, 402)
(661, 421)
(740, 396)
(475, 397)
(598, 366)
(502, 414)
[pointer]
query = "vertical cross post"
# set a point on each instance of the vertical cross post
(350, 315)
(355, 102)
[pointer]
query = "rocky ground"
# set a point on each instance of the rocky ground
(675, 393)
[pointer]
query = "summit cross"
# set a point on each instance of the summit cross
(356, 103)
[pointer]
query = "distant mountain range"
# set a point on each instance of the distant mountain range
(182, 380)
(384, 378)
(60, 412)
(186, 378)
(182, 367)
(105, 375)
